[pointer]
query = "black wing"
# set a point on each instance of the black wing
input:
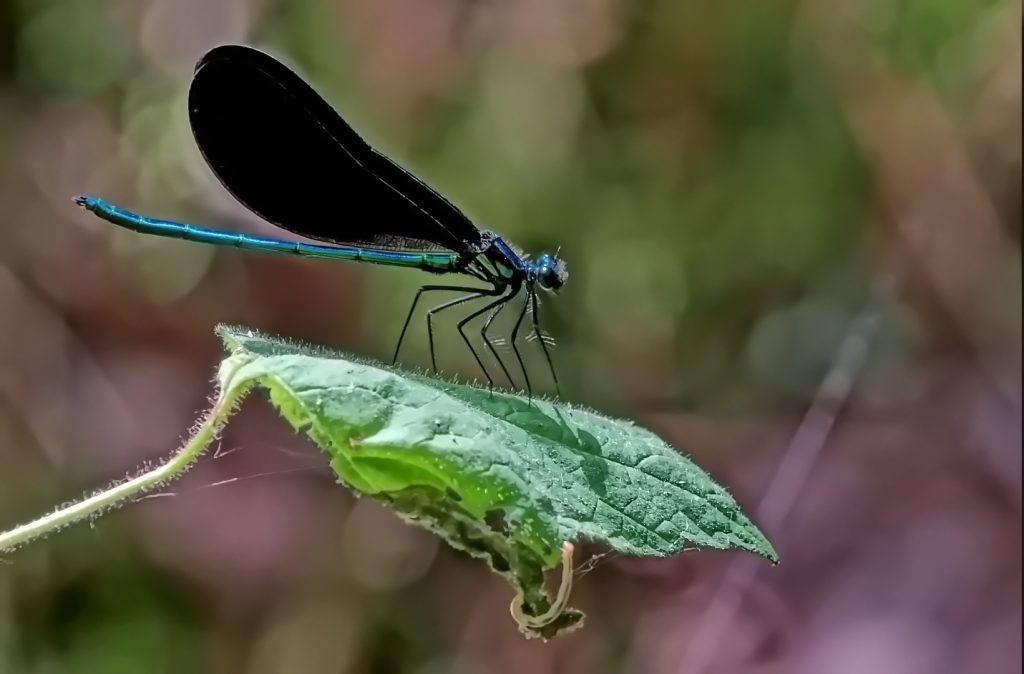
(284, 152)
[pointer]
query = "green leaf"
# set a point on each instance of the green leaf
(501, 477)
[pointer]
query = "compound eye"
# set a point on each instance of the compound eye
(550, 278)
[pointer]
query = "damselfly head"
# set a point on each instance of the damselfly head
(551, 272)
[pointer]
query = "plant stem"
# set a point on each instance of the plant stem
(118, 493)
(561, 600)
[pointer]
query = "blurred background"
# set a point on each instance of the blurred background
(793, 235)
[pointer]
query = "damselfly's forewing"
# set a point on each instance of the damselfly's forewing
(285, 153)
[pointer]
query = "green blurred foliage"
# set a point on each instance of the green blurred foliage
(109, 613)
(69, 47)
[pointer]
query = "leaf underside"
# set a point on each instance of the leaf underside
(503, 478)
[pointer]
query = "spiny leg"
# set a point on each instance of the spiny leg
(543, 342)
(412, 310)
(497, 305)
(515, 349)
(487, 340)
(476, 294)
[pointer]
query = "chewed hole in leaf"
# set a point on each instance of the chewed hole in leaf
(495, 520)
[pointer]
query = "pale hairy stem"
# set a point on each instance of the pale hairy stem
(121, 492)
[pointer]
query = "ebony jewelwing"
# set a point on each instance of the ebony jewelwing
(287, 155)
